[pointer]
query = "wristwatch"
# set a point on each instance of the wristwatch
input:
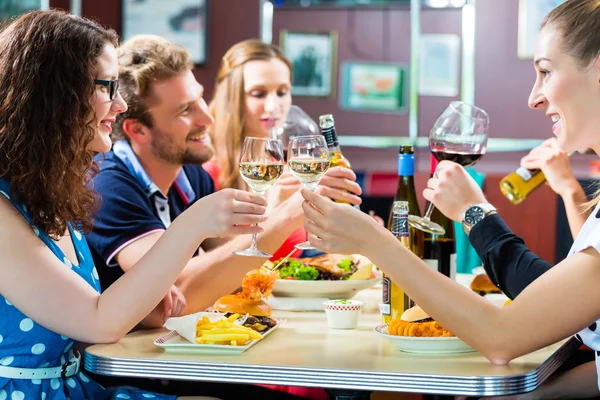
(475, 214)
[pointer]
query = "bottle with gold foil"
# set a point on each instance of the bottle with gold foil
(336, 158)
(394, 300)
(517, 185)
(405, 191)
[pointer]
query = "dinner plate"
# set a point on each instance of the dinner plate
(321, 289)
(425, 345)
(172, 342)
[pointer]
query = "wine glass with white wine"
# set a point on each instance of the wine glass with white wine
(261, 164)
(308, 161)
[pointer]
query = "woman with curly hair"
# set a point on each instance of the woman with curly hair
(59, 85)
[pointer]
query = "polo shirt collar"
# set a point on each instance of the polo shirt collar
(123, 150)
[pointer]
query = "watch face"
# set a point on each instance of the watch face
(474, 215)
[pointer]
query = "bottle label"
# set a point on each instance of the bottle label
(385, 309)
(406, 164)
(524, 173)
(386, 298)
(330, 137)
(432, 263)
(400, 225)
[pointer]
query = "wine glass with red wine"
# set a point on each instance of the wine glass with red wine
(459, 134)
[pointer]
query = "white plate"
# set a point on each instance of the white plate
(426, 345)
(321, 289)
(172, 342)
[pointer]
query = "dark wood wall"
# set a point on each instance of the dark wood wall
(502, 85)
(229, 21)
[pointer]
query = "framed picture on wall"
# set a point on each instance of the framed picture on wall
(12, 8)
(531, 15)
(180, 21)
(374, 87)
(439, 70)
(314, 58)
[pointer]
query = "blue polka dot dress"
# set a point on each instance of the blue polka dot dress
(25, 344)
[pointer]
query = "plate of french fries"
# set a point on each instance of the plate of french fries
(210, 333)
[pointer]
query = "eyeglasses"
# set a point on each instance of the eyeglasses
(112, 86)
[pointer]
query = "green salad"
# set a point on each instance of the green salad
(296, 270)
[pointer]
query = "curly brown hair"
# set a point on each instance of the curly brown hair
(48, 63)
(144, 59)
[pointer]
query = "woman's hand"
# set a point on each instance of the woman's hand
(339, 184)
(337, 228)
(555, 165)
(452, 190)
(283, 189)
(230, 212)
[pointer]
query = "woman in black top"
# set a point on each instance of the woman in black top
(552, 303)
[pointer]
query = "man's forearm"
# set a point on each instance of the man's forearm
(218, 272)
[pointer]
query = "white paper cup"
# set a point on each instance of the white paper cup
(343, 314)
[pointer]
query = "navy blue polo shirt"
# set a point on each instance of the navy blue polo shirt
(133, 206)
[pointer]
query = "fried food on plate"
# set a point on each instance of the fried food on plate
(256, 285)
(482, 285)
(224, 332)
(417, 323)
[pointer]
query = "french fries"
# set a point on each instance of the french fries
(224, 332)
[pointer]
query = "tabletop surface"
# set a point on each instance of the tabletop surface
(303, 351)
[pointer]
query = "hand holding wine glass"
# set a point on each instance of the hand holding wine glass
(454, 190)
(261, 164)
(308, 160)
(460, 135)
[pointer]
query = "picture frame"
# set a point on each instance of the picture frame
(374, 87)
(12, 8)
(439, 69)
(531, 15)
(314, 58)
(184, 22)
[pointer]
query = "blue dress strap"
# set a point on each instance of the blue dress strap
(22, 208)
(5, 190)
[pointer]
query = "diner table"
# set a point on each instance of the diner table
(350, 364)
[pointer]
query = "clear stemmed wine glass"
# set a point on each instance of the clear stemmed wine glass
(297, 123)
(459, 134)
(308, 160)
(261, 164)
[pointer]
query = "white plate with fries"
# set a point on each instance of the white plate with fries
(213, 334)
(425, 345)
(322, 289)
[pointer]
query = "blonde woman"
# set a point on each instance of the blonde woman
(252, 96)
(550, 303)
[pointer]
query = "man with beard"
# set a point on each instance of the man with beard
(154, 173)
